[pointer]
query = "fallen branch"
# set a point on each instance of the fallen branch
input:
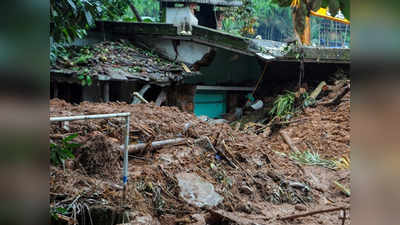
(312, 213)
(226, 148)
(132, 149)
(140, 97)
(343, 189)
(134, 10)
(162, 97)
(292, 121)
(338, 97)
(69, 220)
(186, 68)
(288, 141)
(317, 90)
(143, 90)
(275, 122)
(344, 217)
(210, 146)
(333, 89)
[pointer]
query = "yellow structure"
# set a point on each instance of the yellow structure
(323, 13)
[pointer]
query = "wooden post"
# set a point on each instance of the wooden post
(136, 148)
(55, 90)
(161, 97)
(288, 141)
(106, 92)
(136, 100)
(306, 37)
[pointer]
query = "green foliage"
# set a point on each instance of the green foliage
(58, 210)
(83, 57)
(60, 152)
(312, 158)
(72, 18)
(304, 7)
(57, 51)
(85, 78)
(273, 20)
(147, 9)
(283, 105)
(308, 101)
(240, 20)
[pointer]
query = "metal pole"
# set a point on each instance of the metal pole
(86, 117)
(125, 171)
(126, 145)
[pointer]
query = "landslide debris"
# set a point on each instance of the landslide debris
(256, 182)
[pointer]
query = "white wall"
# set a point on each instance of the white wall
(178, 16)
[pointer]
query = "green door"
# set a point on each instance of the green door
(211, 104)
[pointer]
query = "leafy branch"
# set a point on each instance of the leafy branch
(63, 151)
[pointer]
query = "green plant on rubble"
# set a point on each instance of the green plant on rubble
(85, 78)
(312, 158)
(83, 56)
(58, 51)
(57, 210)
(283, 105)
(63, 151)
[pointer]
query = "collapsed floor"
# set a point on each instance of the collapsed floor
(254, 174)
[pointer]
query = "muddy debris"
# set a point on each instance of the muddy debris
(265, 184)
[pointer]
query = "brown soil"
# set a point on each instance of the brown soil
(95, 173)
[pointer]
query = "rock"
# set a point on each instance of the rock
(197, 191)
(300, 207)
(245, 190)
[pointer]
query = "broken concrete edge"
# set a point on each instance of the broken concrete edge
(310, 54)
(203, 35)
(320, 54)
(72, 77)
(224, 40)
(133, 28)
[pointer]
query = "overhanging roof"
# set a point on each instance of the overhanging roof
(212, 2)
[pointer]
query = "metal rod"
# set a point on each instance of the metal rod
(156, 144)
(85, 117)
(125, 171)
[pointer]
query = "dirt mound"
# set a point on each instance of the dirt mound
(99, 156)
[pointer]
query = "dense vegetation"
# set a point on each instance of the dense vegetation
(271, 19)
(302, 9)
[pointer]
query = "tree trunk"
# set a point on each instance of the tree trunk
(134, 10)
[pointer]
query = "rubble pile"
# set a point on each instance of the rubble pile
(219, 175)
(117, 60)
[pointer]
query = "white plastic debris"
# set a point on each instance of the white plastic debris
(197, 191)
(258, 105)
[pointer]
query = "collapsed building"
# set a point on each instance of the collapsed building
(246, 174)
(186, 61)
